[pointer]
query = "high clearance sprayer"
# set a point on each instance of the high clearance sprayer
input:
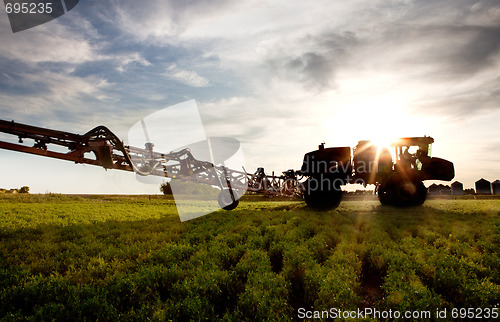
(398, 175)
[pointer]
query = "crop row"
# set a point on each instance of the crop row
(108, 258)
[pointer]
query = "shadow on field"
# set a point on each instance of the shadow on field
(378, 225)
(444, 250)
(372, 279)
(405, 222)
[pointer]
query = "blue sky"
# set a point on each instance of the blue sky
(279, 76)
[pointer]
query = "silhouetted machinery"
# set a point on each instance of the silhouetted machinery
(398, 176)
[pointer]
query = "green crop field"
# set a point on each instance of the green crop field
(110, 257)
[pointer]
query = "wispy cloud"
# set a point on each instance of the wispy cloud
(125, 60)
(187, 77)
(55, 98)
(159, 22)
(53, 43)
(312, 60)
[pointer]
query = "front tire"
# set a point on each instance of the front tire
(319, 197)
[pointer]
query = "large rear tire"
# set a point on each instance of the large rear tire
(384, 195)
(321, 197)
(421, 194)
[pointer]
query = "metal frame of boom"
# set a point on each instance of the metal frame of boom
(101, 147)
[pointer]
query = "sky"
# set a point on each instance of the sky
(279, 76)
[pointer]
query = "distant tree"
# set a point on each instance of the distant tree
(469, 191)
(24, 189)
(166, 188)
(189, 188)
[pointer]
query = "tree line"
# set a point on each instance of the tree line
(23, 189)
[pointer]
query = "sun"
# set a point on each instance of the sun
(383, 141)
(380, 119)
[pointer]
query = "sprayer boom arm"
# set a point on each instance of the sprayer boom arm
(101, 147)
(108, 150)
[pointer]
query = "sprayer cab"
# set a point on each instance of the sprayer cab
(414, 154)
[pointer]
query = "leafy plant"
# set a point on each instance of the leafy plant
(129, 257)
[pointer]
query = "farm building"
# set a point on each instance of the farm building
(444, 190)
(440, 189)
(457, 188)
(433, 189)
(495, 185)
(483, 186)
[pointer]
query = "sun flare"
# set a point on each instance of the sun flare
(381, 120)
